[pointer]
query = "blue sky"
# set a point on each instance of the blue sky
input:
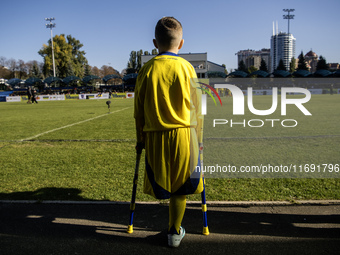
(110, 30)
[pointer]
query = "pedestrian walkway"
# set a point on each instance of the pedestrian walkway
(235, 228)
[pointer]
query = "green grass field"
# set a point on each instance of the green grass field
(76, 150)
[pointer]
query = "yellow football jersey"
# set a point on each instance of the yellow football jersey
(166, 96)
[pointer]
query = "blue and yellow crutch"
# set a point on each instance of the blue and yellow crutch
(204, 202)
(134, 190)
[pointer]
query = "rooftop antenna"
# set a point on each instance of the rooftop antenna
(288, 16)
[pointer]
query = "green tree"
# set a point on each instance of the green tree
(154, 51)
(135, 61)
(322, 64)
(87, 71)
(70, 69)
(292, 65)
(263, 66)
(225, 68)
(302, 65)
(79, 60)
(69, 59)
(139, 59)
(252, 69)
(281, 66)
(242, 66)
(132, 64)
(34, 69)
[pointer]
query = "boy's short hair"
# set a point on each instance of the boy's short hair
(168, 32)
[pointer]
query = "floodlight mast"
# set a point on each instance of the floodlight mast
(51, 25)
(289, 17)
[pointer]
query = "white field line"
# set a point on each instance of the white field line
(70, 125)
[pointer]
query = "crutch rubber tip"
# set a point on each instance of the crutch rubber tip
(130, 229)
(205, 231)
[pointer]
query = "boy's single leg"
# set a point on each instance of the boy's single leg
(176, 212)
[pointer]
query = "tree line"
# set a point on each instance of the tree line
(69, 59)
(11, 68)
(135, 60)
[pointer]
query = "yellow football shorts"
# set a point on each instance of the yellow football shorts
(171, 160)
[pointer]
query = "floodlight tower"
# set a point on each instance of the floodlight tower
(289, 17)
(51, 25)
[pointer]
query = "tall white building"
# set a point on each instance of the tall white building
(282, 46)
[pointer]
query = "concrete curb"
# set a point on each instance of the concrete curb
(209, 203)
(274, 203)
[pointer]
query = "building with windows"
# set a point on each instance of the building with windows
(198, 60)
(333, 66)
(282, 46)
(253, 58)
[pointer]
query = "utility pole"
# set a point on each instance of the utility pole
(51, 25)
